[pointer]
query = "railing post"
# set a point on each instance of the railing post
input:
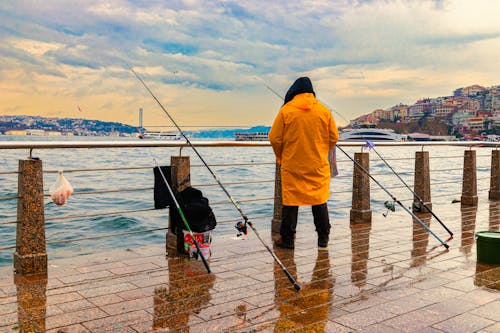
(422, 182)
(31, 255)
(469, 184)
(181, 178)
(360, 208)
(494, 193)
(278, 205)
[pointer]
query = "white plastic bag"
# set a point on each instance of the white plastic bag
(61, 190)
(332, 158)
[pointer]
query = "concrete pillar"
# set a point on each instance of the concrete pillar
(469, 184)
(278, 205)
(181, 178)
(494, 193)
(30, 256)
(360, 208)
(422, 181)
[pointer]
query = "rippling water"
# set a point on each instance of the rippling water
(446, 185)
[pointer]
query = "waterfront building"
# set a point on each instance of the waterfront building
(416, 111)
(445, 108)
(473, 90)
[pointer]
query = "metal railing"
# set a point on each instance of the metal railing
(267, 167)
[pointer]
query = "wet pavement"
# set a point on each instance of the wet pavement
(387, 276)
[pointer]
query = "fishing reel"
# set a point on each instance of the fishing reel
(242, 229)
(390, 207)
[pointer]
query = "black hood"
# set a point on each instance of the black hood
(300, 86)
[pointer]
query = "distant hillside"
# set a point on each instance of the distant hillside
(64, 125)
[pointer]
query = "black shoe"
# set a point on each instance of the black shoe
(323, 243)
(283, 244)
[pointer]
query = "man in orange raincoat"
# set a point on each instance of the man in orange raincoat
(302, 134)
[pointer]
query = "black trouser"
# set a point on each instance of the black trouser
(289, 222)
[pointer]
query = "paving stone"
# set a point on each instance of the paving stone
(464, 323)
(489, 311)
(364, 318)
(416, 321)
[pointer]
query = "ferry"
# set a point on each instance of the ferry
(253, 136)
(371, 134)
(159, 135)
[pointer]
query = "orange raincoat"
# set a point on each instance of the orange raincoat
(302, 134)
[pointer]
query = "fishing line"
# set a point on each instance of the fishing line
(243, 215)
(371, 145)
(393, 197)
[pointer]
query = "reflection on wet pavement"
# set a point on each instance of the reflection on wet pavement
(387, 276)
(187, 292)
(306, 311)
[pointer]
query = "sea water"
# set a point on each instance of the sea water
(238, 168)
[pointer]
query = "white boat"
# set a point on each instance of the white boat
(370, 134)
(159, 135)
(252, 136)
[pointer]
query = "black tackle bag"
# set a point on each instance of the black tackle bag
(196, 209)
(162, 198)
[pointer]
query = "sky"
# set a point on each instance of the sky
(213, 63)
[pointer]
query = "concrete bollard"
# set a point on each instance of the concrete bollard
(469, 184)
(360, 207)
(494, 193)
(278, 205)
(30, 256)
(181, 178)
(422, 182)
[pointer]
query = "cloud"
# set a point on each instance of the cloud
(362, 55)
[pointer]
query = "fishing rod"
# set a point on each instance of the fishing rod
(393, 197)
(183, 218)
(235, 204)
(371, 145)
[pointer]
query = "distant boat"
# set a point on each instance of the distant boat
(371, 134)
(159, 135)
(252, 136)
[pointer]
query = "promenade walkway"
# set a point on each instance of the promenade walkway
(391, 276)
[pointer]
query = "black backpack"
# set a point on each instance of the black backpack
(196, 209)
